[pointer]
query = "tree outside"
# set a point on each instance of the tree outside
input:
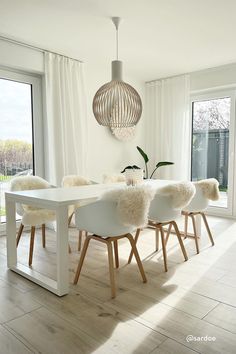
(211, 114)
(15, 156)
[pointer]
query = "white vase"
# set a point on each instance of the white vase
(133, 177)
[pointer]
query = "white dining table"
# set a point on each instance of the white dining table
(57, 199)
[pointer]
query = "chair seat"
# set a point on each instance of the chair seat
(38, 217)
(164, 217)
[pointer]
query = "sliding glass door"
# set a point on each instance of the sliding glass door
(213, 142)
(20, 128)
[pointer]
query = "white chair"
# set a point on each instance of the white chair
(165, 208)
(31, 216)
(111, 219)
(73, 181)
(206, 190)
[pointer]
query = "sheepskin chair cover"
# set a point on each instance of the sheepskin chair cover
(74, 180)
(181, 193)
(113, 178)
(23, 183)
(31, 215)
(132, 204)
(210, 188)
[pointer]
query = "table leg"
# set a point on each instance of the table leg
(62, 250)
(11, 233)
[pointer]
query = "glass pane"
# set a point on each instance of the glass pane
(210, 143)
(16, 142)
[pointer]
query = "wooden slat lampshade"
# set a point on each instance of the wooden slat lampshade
(117, 104)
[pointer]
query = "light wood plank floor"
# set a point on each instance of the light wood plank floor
(197, 298)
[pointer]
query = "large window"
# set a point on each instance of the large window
(21, 126)
(212, 143)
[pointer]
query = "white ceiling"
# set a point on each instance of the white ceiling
(158, 38)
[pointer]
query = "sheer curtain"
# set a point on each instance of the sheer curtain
(168, 133)
(66, 120)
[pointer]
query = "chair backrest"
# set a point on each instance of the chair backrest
(101, 218)
(120, 211)
(113, 178)
(22, 183)
(207, 189)
(74, 180)
(170, 200)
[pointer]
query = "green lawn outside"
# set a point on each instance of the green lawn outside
(2, 211)
(5, 178)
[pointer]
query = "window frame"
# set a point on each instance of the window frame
(35, 81)
(217, 94)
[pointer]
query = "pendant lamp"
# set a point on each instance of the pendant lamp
(117, 104)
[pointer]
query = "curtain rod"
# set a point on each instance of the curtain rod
(164, 78)
(24, 44)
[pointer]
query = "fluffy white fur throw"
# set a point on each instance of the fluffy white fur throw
(74, 180)
(132, 204)
(113, 178)
(30, 214)
(38, 217)
(181, 193)
(209, 187)
(23, 183)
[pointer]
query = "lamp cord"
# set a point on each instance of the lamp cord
(117, 49)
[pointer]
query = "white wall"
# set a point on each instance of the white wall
(213, 78)
(20, 58)
(106, 154)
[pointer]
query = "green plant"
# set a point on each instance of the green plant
(134, 167)
(146, 159)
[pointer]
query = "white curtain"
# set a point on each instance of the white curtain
(168, 126)
(66, 119)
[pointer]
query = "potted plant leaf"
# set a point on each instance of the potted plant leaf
(134, 167)
(146, 159)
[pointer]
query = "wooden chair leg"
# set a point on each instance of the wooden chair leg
(81, 260)
(116, 253)
(70, 218)
(163, 248)
(208, 228)
(180, 240)
(80, 239)
(111, 269)
(157, 239)
(135, 240)
(195, 232)
(185, 225)
(19, 234)
(31, 245)
(168, 233)
(43, 236)
(138, 260)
